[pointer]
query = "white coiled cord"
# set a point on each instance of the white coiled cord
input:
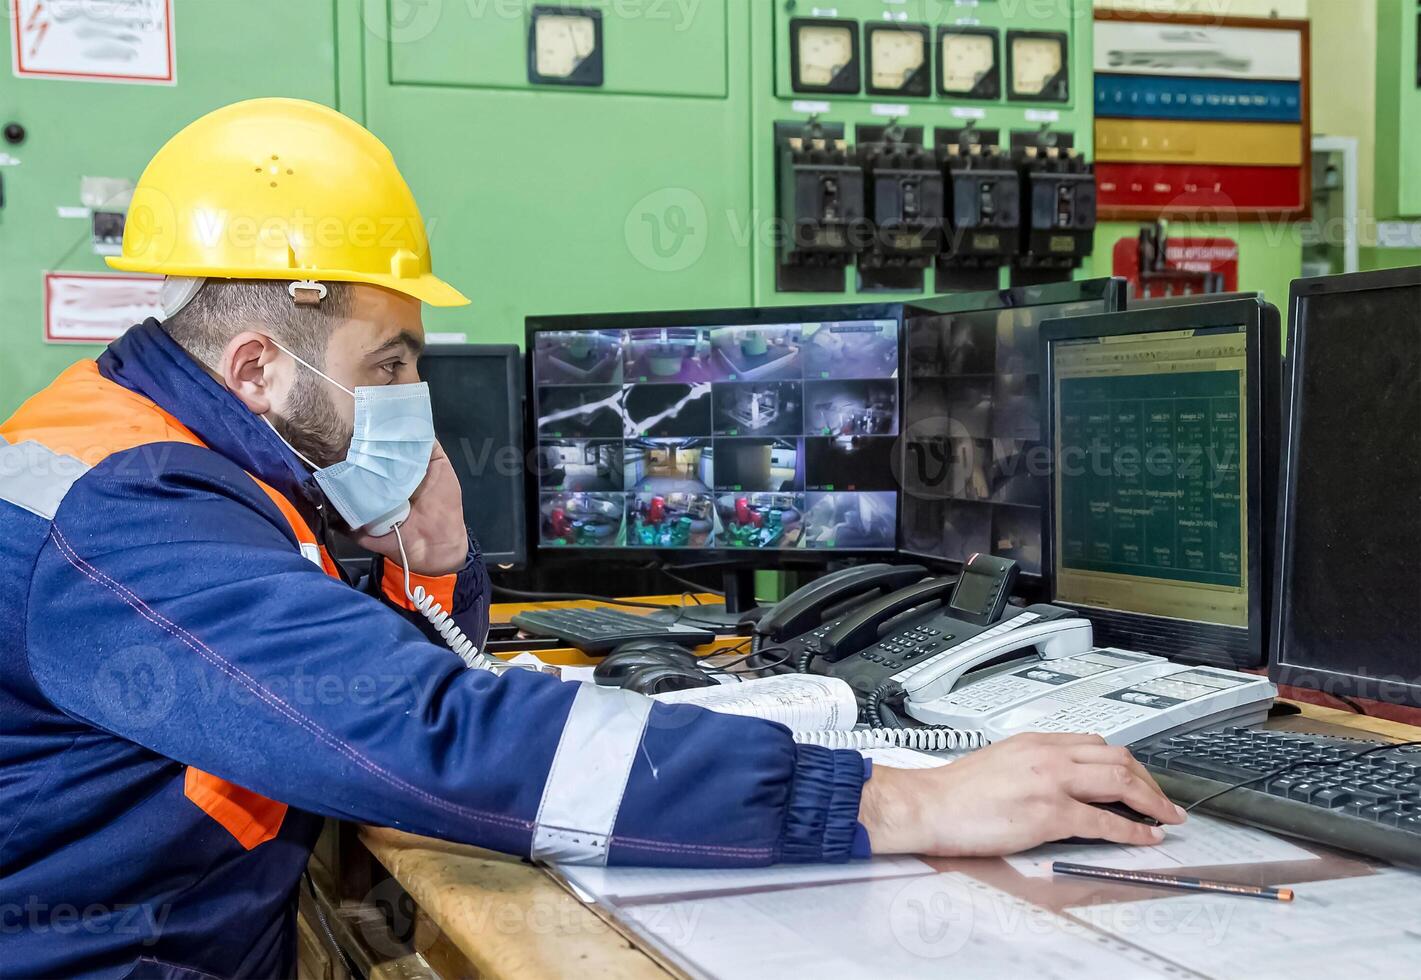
(924, 739)
(442, 621)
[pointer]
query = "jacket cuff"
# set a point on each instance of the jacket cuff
(456, 592)
(392, 584)
(471, 585)
(822, 817)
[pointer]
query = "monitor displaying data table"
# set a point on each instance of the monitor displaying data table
(1155, 422)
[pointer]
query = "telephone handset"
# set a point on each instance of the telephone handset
(804, 610)
(937, 649)
(1050, 638)
(860, 627)
(383, 525)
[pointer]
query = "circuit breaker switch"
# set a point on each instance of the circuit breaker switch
(984, 206)
(906, 205)
(821, 209)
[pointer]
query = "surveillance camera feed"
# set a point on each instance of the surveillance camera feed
(771, 436)
(974, 466)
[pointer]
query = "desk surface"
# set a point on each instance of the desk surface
(508, 918)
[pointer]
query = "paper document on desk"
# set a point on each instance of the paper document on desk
(1200, 843)
(567, 672)
(941, 925)
(1351, 927)
(594, 883)
(800, 702)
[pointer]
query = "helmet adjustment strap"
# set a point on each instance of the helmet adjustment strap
(307, 292)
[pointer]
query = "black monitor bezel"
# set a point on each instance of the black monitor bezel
(1113, 291)
(1257, 317)
(513, 368)
(769, 559)
(1280, 671)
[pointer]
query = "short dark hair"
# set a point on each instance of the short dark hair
(225, 307)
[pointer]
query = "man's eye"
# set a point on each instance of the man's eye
(392, 368)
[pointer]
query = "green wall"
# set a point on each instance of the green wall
(1389, 258)
(654, 191)
(78, 129)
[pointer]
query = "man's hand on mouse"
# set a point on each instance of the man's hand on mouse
(1012, 796)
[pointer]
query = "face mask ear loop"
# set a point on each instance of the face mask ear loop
(288, 445)
(299, 360)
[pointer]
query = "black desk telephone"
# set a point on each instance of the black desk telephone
(954, 654)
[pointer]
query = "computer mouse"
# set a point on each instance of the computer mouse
(1120, 810)
(624, 660)
(661, 678)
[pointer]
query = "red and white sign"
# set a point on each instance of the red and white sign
(1188, 254)
(95, 307)
(93, 40)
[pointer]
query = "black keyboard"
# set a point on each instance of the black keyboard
(600, 630)
(1370, 804)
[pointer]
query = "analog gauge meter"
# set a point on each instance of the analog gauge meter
(565, 46)
(824, 55)
(1038, 67)
(898, 59)
(967, 64)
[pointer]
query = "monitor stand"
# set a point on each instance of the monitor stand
(738, 584)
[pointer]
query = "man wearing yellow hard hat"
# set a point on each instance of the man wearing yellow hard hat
(189, 686)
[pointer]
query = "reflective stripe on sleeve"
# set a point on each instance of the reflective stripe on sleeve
(589, 775)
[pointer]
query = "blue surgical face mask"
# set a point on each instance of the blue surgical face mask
(388, 457)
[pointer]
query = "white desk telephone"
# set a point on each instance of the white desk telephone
(1121, 695)
(941, 651)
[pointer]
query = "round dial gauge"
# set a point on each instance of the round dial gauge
(895, 58)
(563, 42)
(966, 60)
(824, 51)
(1035, 61)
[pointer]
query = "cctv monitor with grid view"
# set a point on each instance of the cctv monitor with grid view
(765, 430)
(1153, 424)
(973, 462)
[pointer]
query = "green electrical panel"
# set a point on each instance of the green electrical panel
(550, 188)
(68, 145)
(1398, 139)
(582, 155)
(984, 88)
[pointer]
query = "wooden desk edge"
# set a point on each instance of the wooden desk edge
(507, 917)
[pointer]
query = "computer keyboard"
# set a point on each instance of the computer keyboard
(1370, 803)
(601, 630)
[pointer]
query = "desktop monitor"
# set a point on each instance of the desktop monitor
(716, 433)
(972, 460)
(1155, 422)
(1348, 616)
(477, 396)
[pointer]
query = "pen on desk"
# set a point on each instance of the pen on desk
(1184, 882)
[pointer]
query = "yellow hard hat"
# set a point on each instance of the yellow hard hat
(280, 189)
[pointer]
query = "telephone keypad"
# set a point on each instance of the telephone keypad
(902, 648)
(1097, 716)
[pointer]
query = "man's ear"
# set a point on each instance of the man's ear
(245, 369)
